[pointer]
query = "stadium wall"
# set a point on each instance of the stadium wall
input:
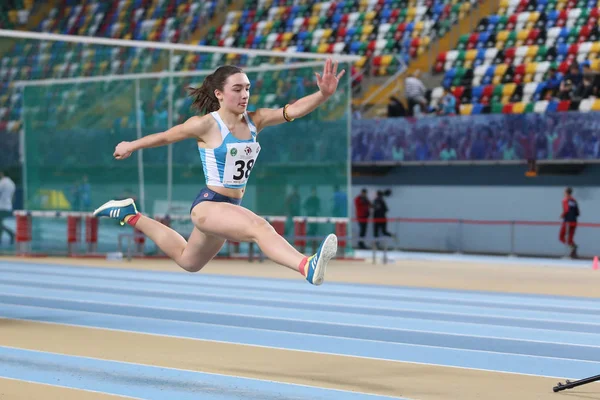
(487, 193)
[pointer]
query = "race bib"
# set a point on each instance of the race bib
(239, 162)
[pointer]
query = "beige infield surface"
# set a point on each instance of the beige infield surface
(390, 378)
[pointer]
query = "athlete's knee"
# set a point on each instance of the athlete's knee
(261, 227)
(191, 266)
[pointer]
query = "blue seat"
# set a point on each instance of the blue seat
(355, 47)
(552, 106)
(477, 92)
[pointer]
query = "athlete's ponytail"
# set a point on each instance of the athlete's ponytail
(205, 100)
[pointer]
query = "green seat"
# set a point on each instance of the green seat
(529, 107)
(541, 54)
(462, 42)
(502, 23)
(497, 108)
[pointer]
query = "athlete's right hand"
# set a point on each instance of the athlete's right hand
(122, 151)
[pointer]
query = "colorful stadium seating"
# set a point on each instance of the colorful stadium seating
(161, 20)
(507, 58)
(379, 30)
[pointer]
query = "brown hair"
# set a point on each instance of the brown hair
(204, 97)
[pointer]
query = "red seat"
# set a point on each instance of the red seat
(488, 90)
(507, 109)
(520, 69)
(512, 21)
(573, 49)
(564, 105)
(458, 92)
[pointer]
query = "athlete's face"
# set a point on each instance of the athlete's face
(236, 93)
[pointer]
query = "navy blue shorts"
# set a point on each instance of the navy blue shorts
(210, 195)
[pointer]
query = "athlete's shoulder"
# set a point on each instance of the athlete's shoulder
(199, 125)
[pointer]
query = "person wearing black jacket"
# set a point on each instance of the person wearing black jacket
(380, 210)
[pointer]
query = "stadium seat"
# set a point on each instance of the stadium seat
(513, 49)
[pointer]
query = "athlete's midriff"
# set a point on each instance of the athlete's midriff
(235, 193)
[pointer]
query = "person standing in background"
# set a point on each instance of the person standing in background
(569, 215)
(7, 191)
(312, 208)
(380, 210)
(362, 205)
(340, 202)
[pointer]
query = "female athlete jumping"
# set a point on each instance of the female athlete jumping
(226, 137)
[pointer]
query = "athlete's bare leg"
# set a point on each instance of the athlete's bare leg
(239, 224)
(190, 255)
(214, 223)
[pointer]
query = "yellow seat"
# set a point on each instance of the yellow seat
(386, 60)
(497, 80)
(534, 16)
(288, 36)
(500, 70)
(595, 47)
(370, 16)
(528, 78)
(519, 108)
(532, 50)
(326, 33)
(468, 64)
(595, 65)
(505, 99)
(411, 12)
(419, 26)
(314, 20)
(466, 109)
(471, 55)
(596, 105)
(367, 29)
(322, 48)
(502, 36)
(531, 68)
(522, 35)
(361, 62)
(509, 88)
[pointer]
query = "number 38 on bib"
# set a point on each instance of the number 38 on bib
(239, 162)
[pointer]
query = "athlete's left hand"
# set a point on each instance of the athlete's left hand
(329, 80)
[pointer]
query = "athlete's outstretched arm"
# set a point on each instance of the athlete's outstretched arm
(327, 83)
(192, 128)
